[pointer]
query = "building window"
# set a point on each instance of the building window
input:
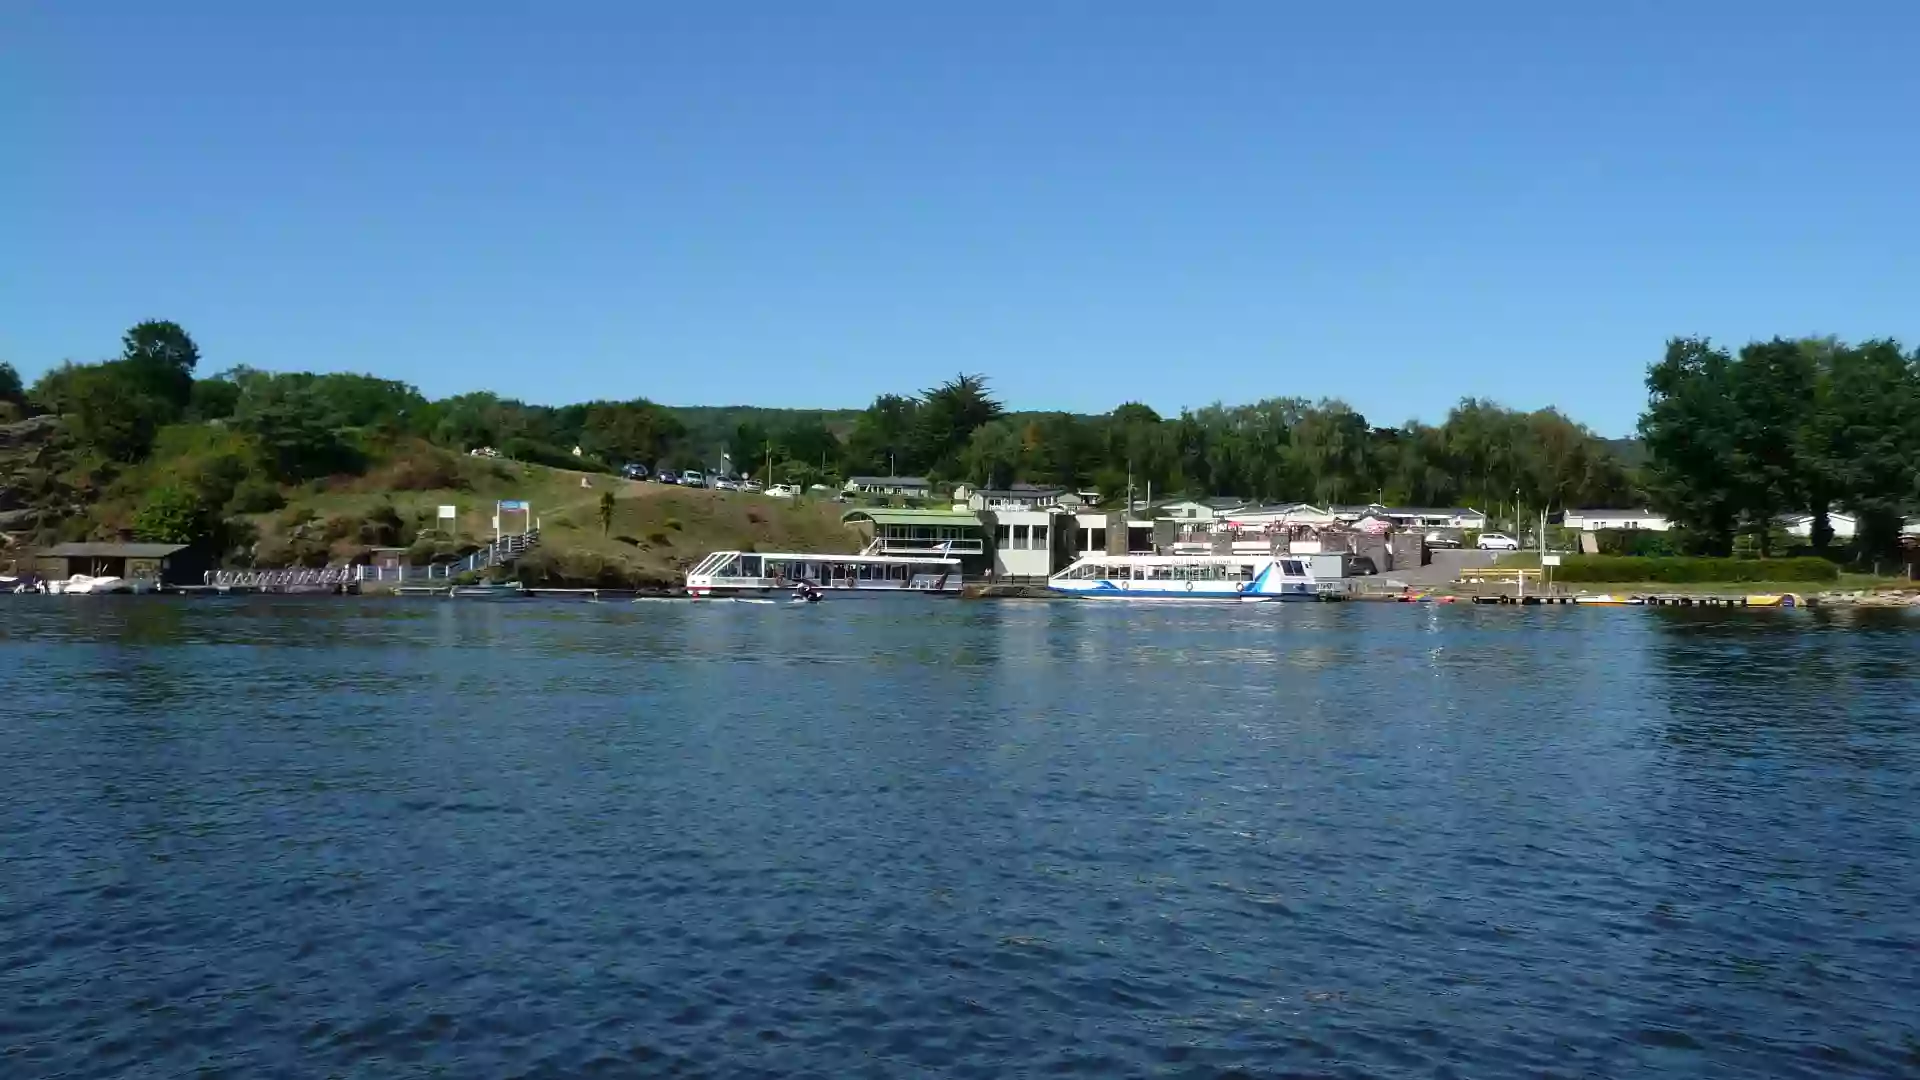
(1099, 541)
(1040, 537)
(1003, 536)
(1019, 536)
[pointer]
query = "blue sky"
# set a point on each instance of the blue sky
(809, 203)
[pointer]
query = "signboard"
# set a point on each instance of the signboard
(1549, 560)
(513, 504)
(448, 513)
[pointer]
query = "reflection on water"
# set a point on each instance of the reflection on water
(903, 838)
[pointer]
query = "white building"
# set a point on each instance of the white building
(1414, 517)
(1024, 542)
(1262, 517)
(1595, 520)
(1017, 497)
(916, 486)
(1184, 510)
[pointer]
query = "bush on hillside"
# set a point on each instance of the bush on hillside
(1684, 570)
(417, 468)
(1640, 542)
(553, 457)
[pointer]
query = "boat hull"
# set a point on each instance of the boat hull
(1195, 597)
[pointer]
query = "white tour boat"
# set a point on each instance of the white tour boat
(1250, 578)
(752, 573)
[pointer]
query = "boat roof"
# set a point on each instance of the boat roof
(1188, 560)
(865, 560)
(890, 516)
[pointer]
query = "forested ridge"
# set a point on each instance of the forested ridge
(1729, 442)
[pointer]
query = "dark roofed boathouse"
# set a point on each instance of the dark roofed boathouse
(162, 564)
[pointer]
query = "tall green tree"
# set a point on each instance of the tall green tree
(110, 412)
(10, 388)
(1690, 430)
(993, 455)
(630, 431)
(1771, 390)
(1330, 448)
(807, 440)
(159, 358)
(946, 419)
(299, 438)
(1868, 441)
(882, 439)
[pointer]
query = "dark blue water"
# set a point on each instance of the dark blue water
(340, 838)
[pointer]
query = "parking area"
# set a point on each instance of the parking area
(1446, 566)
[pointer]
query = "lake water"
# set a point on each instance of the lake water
(925, 838)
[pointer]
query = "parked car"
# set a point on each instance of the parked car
(483, 451)
(1359, 566)
(721, 483)
(1442, 540)
(752, 486)
(782, 491)
(693, 478)
(667, 476)
(1492, 541)
(634, 471)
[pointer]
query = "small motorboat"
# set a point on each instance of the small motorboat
(87, 585)
(806, 593)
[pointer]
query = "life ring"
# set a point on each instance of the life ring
(1189, 586)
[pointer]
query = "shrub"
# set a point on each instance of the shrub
(658, 537)
(1684, 570)
(256, 495)
(1640, 542)
(674, 524)
(420, 470)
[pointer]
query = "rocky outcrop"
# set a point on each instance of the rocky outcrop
(33, 432)
(32, 455)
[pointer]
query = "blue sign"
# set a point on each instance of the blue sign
(512, 504)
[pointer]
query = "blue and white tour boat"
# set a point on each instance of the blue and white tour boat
(1247, 578)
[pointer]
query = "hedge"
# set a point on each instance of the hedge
(1683, 570)
(1642, 542)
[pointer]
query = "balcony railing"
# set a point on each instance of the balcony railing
(900, 545)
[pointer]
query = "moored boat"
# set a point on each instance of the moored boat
(1246, 578)
(752, 573)
(88, 585)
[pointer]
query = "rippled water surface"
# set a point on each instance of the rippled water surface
(896, 838)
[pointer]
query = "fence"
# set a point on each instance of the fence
(502, 552)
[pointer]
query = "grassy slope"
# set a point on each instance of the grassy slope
(657, 530)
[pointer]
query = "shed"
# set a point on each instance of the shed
(164, 564)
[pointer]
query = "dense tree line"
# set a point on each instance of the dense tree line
(1785, 427)
(248, 430)
(1283, 449)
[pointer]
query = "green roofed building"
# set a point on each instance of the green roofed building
(960, 533)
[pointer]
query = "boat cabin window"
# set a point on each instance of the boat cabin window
(749, 566)
(1292, 568)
